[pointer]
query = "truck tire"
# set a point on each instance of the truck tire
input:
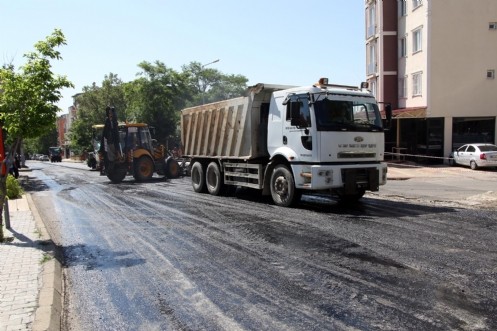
(116, 174)
(143, 169)
(198, 178)
(213, 179)
(172, 168)
(283, 189)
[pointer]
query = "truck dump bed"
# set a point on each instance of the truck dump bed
(229, 129)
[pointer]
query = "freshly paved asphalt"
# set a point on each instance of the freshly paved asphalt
(31, 276)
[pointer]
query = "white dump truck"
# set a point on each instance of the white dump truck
(287, 141)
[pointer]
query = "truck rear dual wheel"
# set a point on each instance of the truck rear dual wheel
(198, 178)
(213, 179)
(283, 190)
(207, 180)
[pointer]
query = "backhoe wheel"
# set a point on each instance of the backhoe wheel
(172, 168)
(283, 189)
(198, 178)
(116, 173)
(143, 169)
(214, 179)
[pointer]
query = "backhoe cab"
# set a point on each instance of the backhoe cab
(128, 149)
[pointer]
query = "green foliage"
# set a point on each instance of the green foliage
(40, 145)
(210, 85)
(14, 189)
(91, 106)
(28, 99)
(155, 97)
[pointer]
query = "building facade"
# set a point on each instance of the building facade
(435, 62)
(64, 123)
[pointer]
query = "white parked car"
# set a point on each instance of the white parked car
(44, 158)
(475, 156)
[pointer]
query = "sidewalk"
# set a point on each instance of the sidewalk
(30, 277)
(402, 171)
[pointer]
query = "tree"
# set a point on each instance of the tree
(229, 86)
(157, 96)
(210, 85)
(28, 97)
(91, 106)
(41, 143)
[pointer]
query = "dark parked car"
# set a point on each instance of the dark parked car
(475, 156)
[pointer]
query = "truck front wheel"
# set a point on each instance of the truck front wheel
(283, 189)
(213, 179)
(198, 178)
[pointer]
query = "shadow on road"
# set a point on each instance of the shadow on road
(30, 184)
(362, 208)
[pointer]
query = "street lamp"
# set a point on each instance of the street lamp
(202, 66)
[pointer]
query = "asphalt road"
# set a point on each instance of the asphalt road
(157, 256)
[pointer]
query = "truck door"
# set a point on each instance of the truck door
(297, 131)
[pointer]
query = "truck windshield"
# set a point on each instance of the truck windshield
(339, 115)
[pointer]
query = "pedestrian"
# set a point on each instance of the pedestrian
(12, 165)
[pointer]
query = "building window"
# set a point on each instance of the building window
(403, 47)
(371, 69)
(417, 40)
(403, 87)
(416, 84)
(402, 8)
(416, 3)
(371, 29)
(491, 74)
(492, 25)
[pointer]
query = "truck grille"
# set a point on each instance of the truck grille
(354, 155)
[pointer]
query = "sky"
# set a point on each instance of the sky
(289, 42)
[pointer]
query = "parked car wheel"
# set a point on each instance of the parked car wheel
(473, 165)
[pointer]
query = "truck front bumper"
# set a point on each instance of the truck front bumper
(349, 177)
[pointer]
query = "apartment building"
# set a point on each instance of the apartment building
(435, 62)
(63, 124)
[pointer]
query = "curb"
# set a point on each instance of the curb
(48, 315)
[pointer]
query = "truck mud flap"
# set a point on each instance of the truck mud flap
(360, 179)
